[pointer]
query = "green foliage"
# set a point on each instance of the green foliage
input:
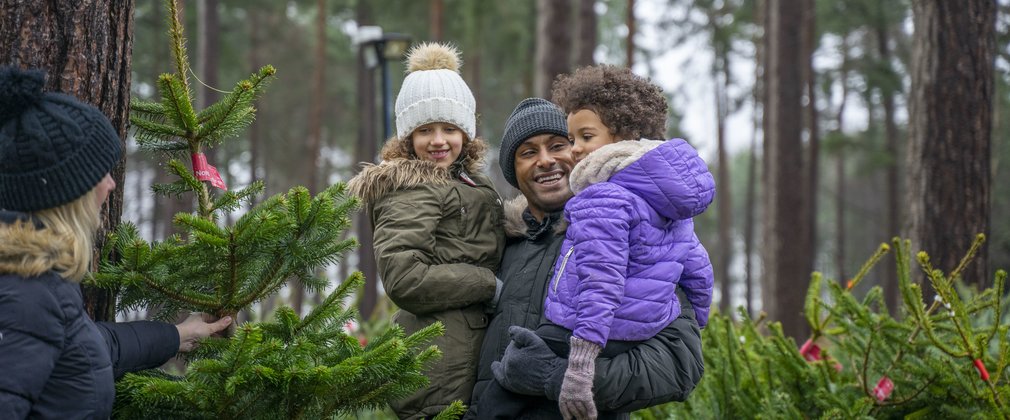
(930, 354)
(289, 368)
(221, 270)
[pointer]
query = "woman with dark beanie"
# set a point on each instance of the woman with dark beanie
(55, 362)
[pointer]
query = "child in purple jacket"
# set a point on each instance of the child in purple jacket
(630, 242)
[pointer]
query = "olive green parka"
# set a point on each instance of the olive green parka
(438, 241)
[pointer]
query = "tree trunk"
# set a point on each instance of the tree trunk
(629, 59)
(950, 111)
(751, 202)
(840, 169)
(813, 127)
(893, 175)
(436, 10)
(787, 253)
(255, 129)
(725, 209)
(554, 36)
(366, 151)
(85, 47)
(586, 38)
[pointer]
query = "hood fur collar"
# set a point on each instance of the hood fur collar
(399, 171)
(516, 227)
(28, 250)
(604, 162)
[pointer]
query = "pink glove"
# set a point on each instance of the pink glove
(576, 399)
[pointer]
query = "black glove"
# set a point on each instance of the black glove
(528, 365)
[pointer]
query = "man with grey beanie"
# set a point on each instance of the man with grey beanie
(536, 157)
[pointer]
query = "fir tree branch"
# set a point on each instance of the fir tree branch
(968, 257)
(204, 303)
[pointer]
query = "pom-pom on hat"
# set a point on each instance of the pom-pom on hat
(433, 91)
(53, 148)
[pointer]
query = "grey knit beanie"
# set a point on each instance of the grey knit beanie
(53, 148)
(433, 91)
(532, 117)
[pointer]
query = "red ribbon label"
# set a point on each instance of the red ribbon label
(982, 373)
(810, 351)
(207, 172)
(883, 389)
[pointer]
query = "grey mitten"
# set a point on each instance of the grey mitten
(576, 399)
(527, 364)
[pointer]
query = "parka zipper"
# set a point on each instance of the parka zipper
(561, 270)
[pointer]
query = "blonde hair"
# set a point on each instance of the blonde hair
(76, 224)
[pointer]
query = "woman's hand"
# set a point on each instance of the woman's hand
(196, 327)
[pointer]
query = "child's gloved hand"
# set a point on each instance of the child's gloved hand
(576, 399)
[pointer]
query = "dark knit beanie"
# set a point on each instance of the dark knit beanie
(532, 117)
(53, 148)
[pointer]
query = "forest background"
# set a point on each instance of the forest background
(802, 108)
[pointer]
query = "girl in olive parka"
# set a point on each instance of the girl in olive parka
(437, 224)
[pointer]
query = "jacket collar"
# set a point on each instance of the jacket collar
(603, 163)
(27, 248)
(399, 171)
(520, 223)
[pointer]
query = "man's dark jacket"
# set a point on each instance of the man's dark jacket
(664, 368)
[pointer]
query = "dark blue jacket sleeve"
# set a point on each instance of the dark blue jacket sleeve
(139, 345)
(31, 339)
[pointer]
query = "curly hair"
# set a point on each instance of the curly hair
(629, 105)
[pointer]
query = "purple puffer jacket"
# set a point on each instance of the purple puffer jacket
(631, 242)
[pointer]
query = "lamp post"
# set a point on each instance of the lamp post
(381, 48)
(375, 49)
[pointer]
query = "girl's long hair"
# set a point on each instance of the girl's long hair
(76, 224)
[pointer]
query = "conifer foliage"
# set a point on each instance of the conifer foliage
(942, 358)
(288, 367)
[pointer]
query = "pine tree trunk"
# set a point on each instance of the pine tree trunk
(725, 207)
(813, 162)
(366, 151)
(787, 253)
(750, 200)
(629, 59)
(436, 9)
(950, 111)
(840, 169)
(554, 36)
(586, 37)
(893, 174)
(85, 47)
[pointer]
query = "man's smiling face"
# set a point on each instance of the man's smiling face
(542, 165)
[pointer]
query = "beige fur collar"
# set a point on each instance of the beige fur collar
(515, 226)
(398, 170)
(604, 162)
(28, 251)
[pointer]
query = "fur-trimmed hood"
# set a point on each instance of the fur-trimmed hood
(516, 227)
(669, 175)
(27, 249)
(399, 170)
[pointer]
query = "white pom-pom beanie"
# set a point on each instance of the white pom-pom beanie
(433, 91)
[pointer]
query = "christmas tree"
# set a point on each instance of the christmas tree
(933, 361)
(289, 367)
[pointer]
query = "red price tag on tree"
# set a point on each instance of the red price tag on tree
(883, 389)
(207, 172)
(810, 351)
